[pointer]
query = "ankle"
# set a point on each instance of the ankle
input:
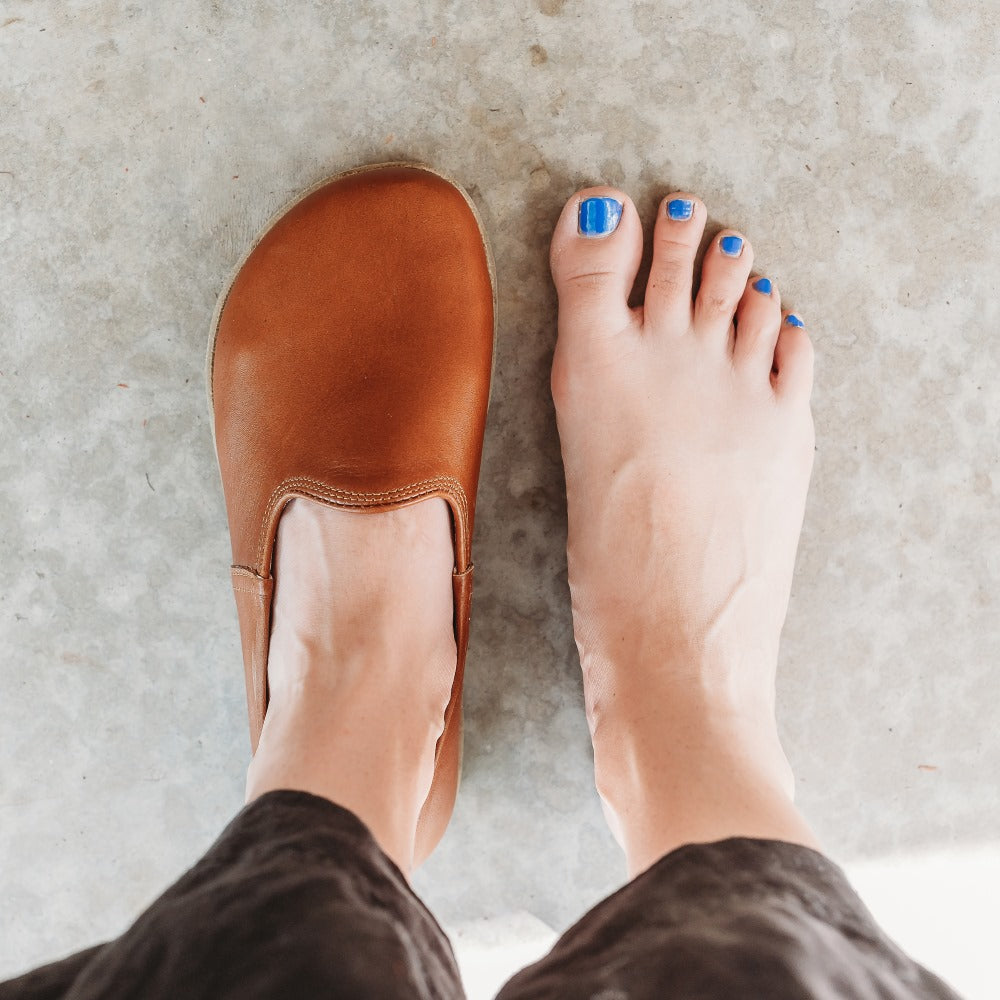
(689, 772)
(663, 691)
(737, 803)
(367, 749)
(634, 756)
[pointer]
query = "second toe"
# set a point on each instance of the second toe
(758, 319)
(680, 223)
(725, 270)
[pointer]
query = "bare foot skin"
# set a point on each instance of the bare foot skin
(687, 441)
(361, 662)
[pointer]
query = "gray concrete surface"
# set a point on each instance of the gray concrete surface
(143, 145)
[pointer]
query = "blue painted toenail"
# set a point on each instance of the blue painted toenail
(792, 320)
(763, 285)
(599, 216)
(680, 209)
(731, 246)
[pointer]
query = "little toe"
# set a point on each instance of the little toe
(758, 319)
(793, 359)
(727, 265)
(595, 254)
(680, 223)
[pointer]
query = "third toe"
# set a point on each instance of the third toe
(793, 358)
(724, 274)
(758, 319)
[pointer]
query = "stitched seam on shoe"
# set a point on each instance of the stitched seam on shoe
(322, 491)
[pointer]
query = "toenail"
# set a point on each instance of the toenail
(763, 285)
(731, 246)
(680, 209)
(599, 216)
(792, 320)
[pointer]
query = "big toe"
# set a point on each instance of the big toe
(595, 254)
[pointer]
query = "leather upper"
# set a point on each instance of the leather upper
(351, 365)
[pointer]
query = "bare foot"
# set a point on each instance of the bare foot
(361, 662)
(687, 441)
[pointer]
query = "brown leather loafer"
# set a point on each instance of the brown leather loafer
(350, 363)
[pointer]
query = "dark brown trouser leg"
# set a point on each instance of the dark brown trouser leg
(295, 899)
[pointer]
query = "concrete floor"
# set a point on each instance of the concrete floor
(142, 146)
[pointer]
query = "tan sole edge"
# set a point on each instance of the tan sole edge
(223, 297)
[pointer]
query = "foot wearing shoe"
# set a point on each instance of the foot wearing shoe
(361, 663)
(687, 441)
